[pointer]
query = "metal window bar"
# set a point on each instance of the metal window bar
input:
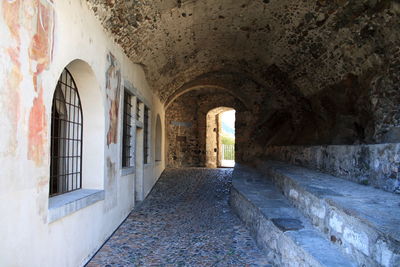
(66, 137)
(138, 102)
(127, 148)
(146, 135)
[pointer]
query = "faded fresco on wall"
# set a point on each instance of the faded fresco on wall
(113, 89)
(30, 28)
(11, 73)
(111, 185)
(40, 53)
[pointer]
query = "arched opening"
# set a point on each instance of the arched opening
(66, 137)
(93, 120)
(158, 143)
(186, 127)
(227, 138)
(220, 138)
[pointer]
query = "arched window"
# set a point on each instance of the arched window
(66, 137)
(158, 139)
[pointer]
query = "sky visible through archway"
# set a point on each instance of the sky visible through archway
(228, 122)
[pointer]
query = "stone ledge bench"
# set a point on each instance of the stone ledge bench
(286, 236)
(364, 222)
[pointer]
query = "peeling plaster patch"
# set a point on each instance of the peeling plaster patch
(40, 52)
(11, 11)
(111, 195)
(111, 171)
(37, 130)
(13, 74)
(42, 197)
(13, 98)
(35, 18)
(113, 89)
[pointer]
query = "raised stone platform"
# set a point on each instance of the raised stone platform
(286, 236)
(361, 221)
(376, 165)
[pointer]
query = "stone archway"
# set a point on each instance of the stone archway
(213, 137)
(186, 125)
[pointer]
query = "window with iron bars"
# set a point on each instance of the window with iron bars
(66, 137)
(127, 147)
(146, 135)
(138, 104)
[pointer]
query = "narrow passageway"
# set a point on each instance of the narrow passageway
(185, 221)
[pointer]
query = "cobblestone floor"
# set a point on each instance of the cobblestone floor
(185, 221)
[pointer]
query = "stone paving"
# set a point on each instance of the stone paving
(185, 221)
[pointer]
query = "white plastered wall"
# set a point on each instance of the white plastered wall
(27, 239)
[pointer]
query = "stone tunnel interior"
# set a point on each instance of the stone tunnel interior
(315, 86)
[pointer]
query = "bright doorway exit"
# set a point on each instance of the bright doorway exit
(220, 139)
(227, 137)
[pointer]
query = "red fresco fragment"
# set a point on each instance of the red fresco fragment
(41, 45)
(40, 52)
(112, 132)
(113, 84)
(37, 130)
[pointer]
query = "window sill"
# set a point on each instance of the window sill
(127, 171)
(68, 203)
(139, 124)
(147, 165)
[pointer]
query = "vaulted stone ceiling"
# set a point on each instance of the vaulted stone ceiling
(313, 43)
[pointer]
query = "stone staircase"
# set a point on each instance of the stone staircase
(301, 217)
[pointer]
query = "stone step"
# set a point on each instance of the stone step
(286, 235)
(364, 222)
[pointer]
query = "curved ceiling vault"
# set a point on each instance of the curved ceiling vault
(315, 42)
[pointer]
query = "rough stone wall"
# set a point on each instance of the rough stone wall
(182, 135)
(385, 99)
(376, 165)
(212, 132)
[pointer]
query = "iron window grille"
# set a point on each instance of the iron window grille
(127, 148)
(66, 137)
(138, 109)
(146, 135)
